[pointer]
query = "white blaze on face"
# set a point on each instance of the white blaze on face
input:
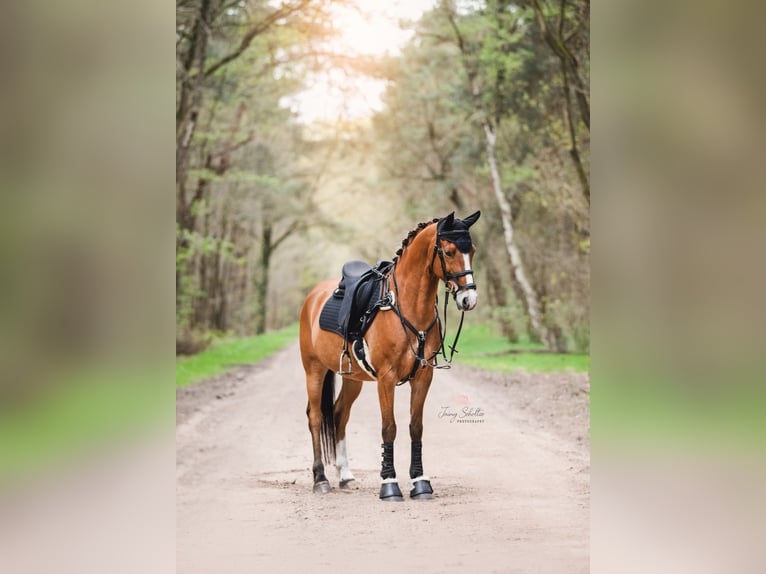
(467, 265)
(466, 299)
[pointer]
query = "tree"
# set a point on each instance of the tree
(480, 112)
(236, 61)
(485, 65)
(570, 27)
(474, 104)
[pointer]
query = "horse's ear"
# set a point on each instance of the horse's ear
(448, 221)
(471, 219)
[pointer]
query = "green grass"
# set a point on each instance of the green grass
(90, 408)
(226, 354)
(94, 407)
(484, 347)
(654, 409)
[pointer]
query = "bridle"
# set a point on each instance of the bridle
(449, 279)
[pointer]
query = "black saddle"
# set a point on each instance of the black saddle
(352, 272)
(353, 305)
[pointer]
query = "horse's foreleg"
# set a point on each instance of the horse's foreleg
(348, 394)
(421, 485)
(389, 488)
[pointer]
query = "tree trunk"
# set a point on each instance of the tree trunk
(574, 152)
(187, 114)
(262, 284)
(530, 300)
(498, 298)
(186, 122)
(220, 278)
(553, 37)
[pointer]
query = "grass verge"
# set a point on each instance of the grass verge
(226, 354)
(483, 346)
(89, 409)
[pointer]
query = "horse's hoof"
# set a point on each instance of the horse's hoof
(322, 487)
(346, 484)
(389, 492)
(422, 490)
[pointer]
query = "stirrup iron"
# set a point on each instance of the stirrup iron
(340, 363)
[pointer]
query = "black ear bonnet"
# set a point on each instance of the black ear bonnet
(456, 230)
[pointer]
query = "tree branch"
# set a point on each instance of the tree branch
(562, 9)
(292, 228)
(556, 43)
(285, 10)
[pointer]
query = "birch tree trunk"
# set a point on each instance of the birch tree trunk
(530, 301)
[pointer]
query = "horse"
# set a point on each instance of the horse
(401, 344)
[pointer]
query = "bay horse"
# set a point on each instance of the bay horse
(401, 344)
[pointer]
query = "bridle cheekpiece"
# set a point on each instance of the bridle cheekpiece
(461, 237)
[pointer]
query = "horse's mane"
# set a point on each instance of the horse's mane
(411, 235)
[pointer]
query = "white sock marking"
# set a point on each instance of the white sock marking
(341, 460)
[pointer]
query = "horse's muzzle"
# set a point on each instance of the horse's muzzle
(466, 300)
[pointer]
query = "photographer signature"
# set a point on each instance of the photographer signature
(462, 414)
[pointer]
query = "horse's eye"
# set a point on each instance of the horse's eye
(449, 253)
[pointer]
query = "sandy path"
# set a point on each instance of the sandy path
(511, 492)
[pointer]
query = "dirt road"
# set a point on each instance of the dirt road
(511, 482)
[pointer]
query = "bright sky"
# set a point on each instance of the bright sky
(372, 30)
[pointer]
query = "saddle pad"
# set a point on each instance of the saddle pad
(328, 318)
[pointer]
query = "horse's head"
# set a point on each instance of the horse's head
(455, 250)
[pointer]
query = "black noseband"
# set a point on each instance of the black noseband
(451, 277)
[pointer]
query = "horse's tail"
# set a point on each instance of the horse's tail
(327, 431)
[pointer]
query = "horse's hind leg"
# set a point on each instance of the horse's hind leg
(348, 394)
(315, 381)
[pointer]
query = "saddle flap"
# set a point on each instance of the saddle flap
(360, 293)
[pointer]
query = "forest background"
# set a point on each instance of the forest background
(311, 132)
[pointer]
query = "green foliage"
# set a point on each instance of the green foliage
(574, 322)
(515, 175)
(227, 354)
(238, 176)
(191, 245)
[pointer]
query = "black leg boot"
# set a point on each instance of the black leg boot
(389, 489)
(421, 486)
